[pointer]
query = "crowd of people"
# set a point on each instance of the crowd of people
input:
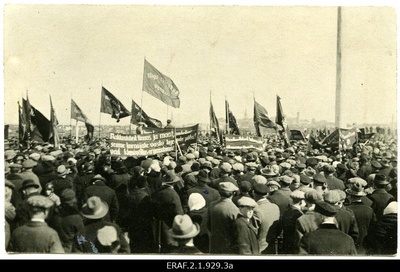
(202, 199)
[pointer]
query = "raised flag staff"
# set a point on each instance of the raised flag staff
(261, 118)
(78, 115)
(160, 86)
(111, 105)
(214, 125)
(284, 132)
(53, 134)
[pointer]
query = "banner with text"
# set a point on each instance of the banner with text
(141, 144)
(184, 135)
(237, 142)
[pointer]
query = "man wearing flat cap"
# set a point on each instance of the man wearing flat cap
(36, 236)
(27, 172)
(288, 223)
(222, 214)
(364, 214)
(327, 240)
(332, 182)
(380, 197)
(246, 227)
(225, 176)
(281, 197)
(345, 218)
(269, 216)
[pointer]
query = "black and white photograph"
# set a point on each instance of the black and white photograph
(200, 130)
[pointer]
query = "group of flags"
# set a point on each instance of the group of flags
(34, 126)
(261, 119)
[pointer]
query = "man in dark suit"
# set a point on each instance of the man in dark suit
(327, 239)
(380, 197)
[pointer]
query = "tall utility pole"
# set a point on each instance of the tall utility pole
(338, 120)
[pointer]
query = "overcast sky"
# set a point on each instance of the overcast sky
(234, 52)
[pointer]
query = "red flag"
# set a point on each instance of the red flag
(160, 86)
(233, 127)
(281, 121)
(22, 125)
(261, 118)
(53, 134)
(77, 114)
(214, 125)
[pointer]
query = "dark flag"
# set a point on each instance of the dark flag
(22, 125)
(332, 140)
(214, 125)
(138, 115)
(6, 128)
(78, 115)
(160, 86)
(233, 127)
(39, 124)
(111, 105)
(261, 118)
(53, 133)
(281, 121)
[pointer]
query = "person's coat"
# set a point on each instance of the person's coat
(246, 236)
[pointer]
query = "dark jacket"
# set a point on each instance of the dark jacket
(327, 240)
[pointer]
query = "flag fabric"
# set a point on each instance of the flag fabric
(284, 130)
(261, 118)
(138, 115)
(332, 139)
(348, 137)
(22, 125)
(214, 125)
(39, 124)
(160, 86)
(78, 115)
(111, 105)
(53, 133)
(233, 127)
(6, 129)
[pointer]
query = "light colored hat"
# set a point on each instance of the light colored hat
(273, 183)
(29, 163)
(183, 227)
(62, 170)
(356, 186)
(297, 194)
(40, 201)
(155, 166)
(94, 208)
(48, 158)
(107, 235)
(246, 201)
(332, 196)
(228, 186)
(390, 208)
(196, 201)
(259, 179)
(34, 156)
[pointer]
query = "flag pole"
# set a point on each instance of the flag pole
(210, 115)
(226, 116)
(100, 115)
(141, 99)
(76, 132)
(70, 120)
